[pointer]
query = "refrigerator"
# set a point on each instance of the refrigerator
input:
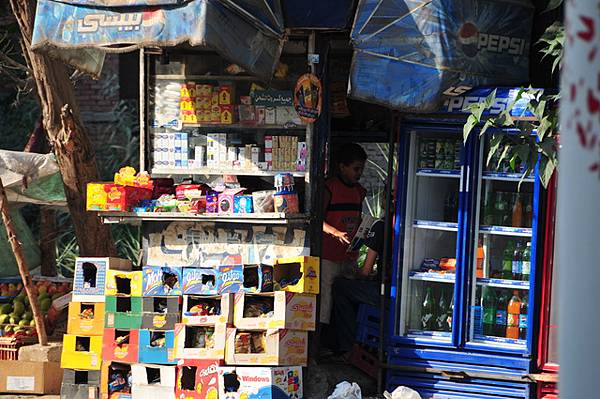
(465, 249)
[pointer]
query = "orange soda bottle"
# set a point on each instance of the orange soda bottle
(513, 311)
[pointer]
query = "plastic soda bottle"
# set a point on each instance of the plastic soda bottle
(513, 310)
(517, 262)
(523, 318)
(501, 315)
(517, 210)
(507, 260)
(526, 262)
(488, 303)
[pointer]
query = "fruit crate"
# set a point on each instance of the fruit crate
(9, 346)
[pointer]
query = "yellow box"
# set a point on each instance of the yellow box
(89, 355)
(281, 347)
(226, 112)
(79, 324)
(96, 197)
(224, 95)
(120, 283)
(305, 269)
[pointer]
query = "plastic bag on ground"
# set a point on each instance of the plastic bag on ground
(402, 393)
(345, 390)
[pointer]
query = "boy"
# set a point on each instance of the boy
(343, 199)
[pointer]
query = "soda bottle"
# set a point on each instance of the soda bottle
(517, 262)
(428, 311)
(501, 208)
(526, 262)
(442, 313)
(517, 210)
(450, 313)
(523, 318)
(507, 260)
(501, 315)
(488, 303)
(512, 323)
(528, 211)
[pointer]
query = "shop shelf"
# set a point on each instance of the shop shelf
(217, 126)
(500, 283)
(506, 231)
(205, 171)
(433, 225)
(432, 276)
(137, 217)
(503, 176)
(452, 173)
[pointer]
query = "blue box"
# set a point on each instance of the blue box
(245, 278)
(162, 281)
(200, 281)
(156, 355)
(243, 204)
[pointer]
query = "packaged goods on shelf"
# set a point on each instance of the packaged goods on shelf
(260, 382)
(160, 313)
(115, 380)
(302, 156)
(81, 352)
(152, 382)
(200, 342)
(197, 379)
(114, 198)
(123, 283)
(120, 345)
(161, 281)
(200, 281)
(226, 199)
(243, 204)
(262, 201)
(266, 347)
(164, 101)
(85, 318)
(123, 312)
(157, 347)
(207, 310)
(297, 274)
(245, 278)
(80, 384)
(276, 310)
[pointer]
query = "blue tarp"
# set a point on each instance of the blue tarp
(409, 53)
(247, 32)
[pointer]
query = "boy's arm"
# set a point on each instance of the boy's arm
(370, 260)
(329, 229)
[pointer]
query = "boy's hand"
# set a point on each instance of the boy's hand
(344, 238)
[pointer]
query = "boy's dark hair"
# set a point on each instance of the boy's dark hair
(350, 152)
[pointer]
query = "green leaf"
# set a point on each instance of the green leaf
(468, 127)
(546, 170)
(495, 142)
(486, 126)
(489, 100)
(552, 4)
(504, 154)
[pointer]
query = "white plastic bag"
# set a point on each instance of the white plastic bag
(402, 393)
(345, 390)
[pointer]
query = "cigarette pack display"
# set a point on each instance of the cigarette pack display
(89, 282)
(246, 114)
(266, 347)
(81, 352)
(85, 318)
(160, 313)
(297, 274)
(123, 283)
(200, 281)
(156, 347)
(260, 382)
(270, 116)
(123, 312)
(161, 281)
(260, 115)
(199, 155)
(197, 379)
(275, 310)
(120, 345)
(200, 342)
(212, 151)
(225, 94)
(152, 382)
(207, 310)
(226, 114)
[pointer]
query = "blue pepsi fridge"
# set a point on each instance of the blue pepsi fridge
(465, 245)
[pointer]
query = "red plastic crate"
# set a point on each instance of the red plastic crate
(9, 346)
(364, 361)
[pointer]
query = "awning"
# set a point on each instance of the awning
(80, 32)
(409, 53)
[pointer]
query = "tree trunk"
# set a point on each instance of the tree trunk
(67, 136)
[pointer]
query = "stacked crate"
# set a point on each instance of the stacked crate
(363, 354)
(82, 345)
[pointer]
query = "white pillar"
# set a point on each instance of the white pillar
(578, 218)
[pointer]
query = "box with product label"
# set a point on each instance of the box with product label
(120, 345)
(21, 377)
(200, 342)
(123, 283)
(152, 382)
(81, 352)
(280, 309)
(266, 347)
(297, 274)
(157, 347)
(197, 379)
(207, 310)
(161, 281)
(89, 281)
(85, 318)
(245, 278)
(160, 313)
(115, 380)
(110, 197)
(260, 382)
(123, 312)
(200, 281)
(226, 199)
(242, 204)
(80, 384)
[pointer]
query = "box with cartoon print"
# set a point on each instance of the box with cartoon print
(162, 281)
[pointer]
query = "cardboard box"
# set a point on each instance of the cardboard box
(161, 281)
(80, 384)
(112, 197)
(290, 311)
(225, 94)
(188, 345)
(123, 312)
(152, 382)
(85, 318)
(120, 390)
(90, 275)
(226, 199)
(200, 281)
(123, 283)
(242, 204)
(197, 379)
(160, 313)
(260, 382)
(281, 347)
(120, 345)
(81, 352)
(199, 317)
(303, 269)
(30, 377)
(245, 278)
(226, 114)
(150, 352)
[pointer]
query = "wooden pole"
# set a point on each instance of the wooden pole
(22, 265)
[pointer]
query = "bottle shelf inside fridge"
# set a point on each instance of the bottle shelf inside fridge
(433, 276)
(506, 231)
(433, 225)
(506, 176)
(501, 283)
(426, 172)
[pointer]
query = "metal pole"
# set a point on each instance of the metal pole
(578, 207)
